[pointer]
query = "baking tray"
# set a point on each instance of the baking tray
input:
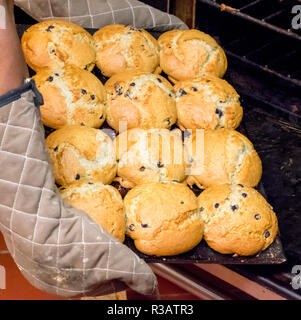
(202, 253)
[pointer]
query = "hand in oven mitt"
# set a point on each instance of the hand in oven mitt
(99, 13)
(58, 248)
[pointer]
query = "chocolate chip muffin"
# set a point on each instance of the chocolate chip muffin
(142, 100)
(102, 203)
(122, 48)
(54, 43)
(71, 96)
(163, 218)
(150, 156)
(237, 219)
(186, 54)
(79, 152)
(207, 103)
(221, 156)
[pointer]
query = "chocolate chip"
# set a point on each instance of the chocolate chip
(49, 28)
(62, 188)
(235, 207)
(50, 79)
(118, 89)
(182, 92)
(86, 68)
(170, 95)
(131, 227)
(159, 80)
(90, 183)
(194, 88)
(142, 168)
(257, 216)
(241, 185)
(92, 96)
(84, 91)
(144, 225)
(267, 233)
(201, 209)
(187, 133)
(101, 116)
(182, 202)
(52, 51)
(77, 177)
(244, 195)
(82, 124)
(127, 93)
(207, 80)
(168, 121)
(219, 112)
(191, 160)
(56, 74)
(160, 165)
(216, 205)
(56, 148)
(132, 84)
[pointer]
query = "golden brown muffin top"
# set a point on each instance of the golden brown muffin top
(186, 54)
(222, 156)
(55, 42)
(122, 48)
(207, 102)
(237, 219)
(159, 205)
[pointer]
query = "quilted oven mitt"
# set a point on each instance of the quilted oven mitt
(99, 13)
(58, 248)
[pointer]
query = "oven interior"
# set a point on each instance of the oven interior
(264, 53)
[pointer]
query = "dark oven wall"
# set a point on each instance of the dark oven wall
(22, 18)
(159, 4)
(265, 69)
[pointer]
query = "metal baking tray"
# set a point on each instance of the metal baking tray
(202, 253)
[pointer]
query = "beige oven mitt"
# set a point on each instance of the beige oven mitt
(58, 248)
(98, 13)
